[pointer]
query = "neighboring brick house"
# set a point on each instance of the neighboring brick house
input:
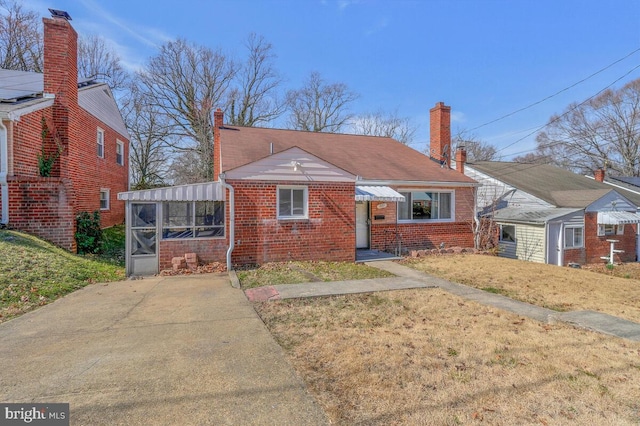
(78, 125)
(293, 195)
(550, 215)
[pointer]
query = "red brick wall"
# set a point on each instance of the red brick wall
(596, 246)
(328, 233)
(415, 236)
(43, 207)
(577, 255)
(208, 250)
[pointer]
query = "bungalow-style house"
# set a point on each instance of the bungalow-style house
(292, 195)
(63, 144)
(550, 215)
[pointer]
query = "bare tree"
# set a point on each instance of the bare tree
(150, 135)
(186, 83)
(256, 99)
(320, 107)
(477, 150)
(21, 46)
(379, 124)
(603, 131)
(97, 60)
(532, 158)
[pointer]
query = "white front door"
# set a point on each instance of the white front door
(554, 244)
(362, 224)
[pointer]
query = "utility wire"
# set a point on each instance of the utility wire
(555, 94)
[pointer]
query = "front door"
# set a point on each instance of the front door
(362, 225)
(554, 244)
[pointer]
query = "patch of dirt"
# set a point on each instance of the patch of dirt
(215, 267)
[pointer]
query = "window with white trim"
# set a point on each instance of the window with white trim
(100, 141)
(573, 236)
(192, 219)
(120, 153)
(293, 202)
(508, 233)
(104, 199)
(604, 230)
(426, 205)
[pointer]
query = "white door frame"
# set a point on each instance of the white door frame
(363, 225)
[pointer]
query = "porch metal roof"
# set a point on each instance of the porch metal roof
(208, 191)
(377, 193)
(617, 218)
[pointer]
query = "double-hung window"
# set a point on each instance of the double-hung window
(573, 236)
(104, 199)
(120, 153)
(293, 202)
(426, 205)
(100, 141)
(507, 233)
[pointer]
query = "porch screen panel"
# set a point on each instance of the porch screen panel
(143, 229)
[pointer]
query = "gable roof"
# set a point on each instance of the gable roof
(368, 157)
(552, 184)
(22, 89)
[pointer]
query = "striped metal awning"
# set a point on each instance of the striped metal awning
(617, 218)
(377, 193)
(209, 191)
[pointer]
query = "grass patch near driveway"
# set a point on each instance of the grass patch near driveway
(304, 272)
(615, 292)
(34, 273)
(428, 357)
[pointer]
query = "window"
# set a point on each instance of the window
(508, 233)
(610, 230)
(421, 205)
(292, 202)
(100, 139)
(104, 199)
(120, 153)
(193, 219)
(573, 236)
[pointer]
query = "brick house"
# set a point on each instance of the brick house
(292, 195)
(78, 126)
(550, 215)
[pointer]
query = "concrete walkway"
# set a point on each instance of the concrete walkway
(187, 350)
(407, 278)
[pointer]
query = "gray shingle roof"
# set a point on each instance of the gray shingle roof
(552, 184)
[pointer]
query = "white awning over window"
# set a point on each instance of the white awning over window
(210, 191)
(617, 218)
(377, 193)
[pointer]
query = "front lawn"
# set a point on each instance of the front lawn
(429, 357)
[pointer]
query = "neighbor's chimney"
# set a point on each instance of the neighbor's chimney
(599, 175)
(218, 122)
(440, 129)
(61, 71)
(461, 159)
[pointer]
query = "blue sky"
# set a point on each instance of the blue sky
(484, 58)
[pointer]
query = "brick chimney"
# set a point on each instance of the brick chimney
(218, 122)
(599, 175)
(61, 73)
(440, 131)
(461, 159)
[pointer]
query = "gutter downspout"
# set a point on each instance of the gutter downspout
(232, 220)
(4, 170)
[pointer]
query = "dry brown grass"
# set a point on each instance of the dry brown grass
(429, 357)
(563, 289)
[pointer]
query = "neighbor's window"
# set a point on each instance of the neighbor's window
(104, 199)
(573, 236)
(100, 139)
(193, 219)
(292, 202)
(610, 230)
(508, 233)
(120, 153)
(422, 205)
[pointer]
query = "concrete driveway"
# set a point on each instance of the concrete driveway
(163, 350)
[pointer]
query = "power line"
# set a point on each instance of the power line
(555, 94)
